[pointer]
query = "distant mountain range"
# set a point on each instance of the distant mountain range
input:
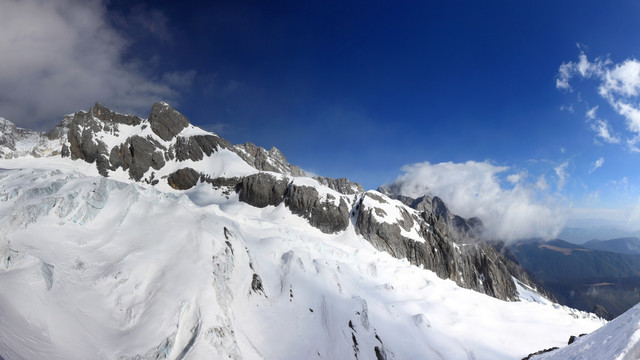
(600, 276)
(582, 234)
(628, 245)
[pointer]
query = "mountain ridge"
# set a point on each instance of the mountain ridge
(175, 238)
(425, 232)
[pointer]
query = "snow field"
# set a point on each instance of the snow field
(106, 269)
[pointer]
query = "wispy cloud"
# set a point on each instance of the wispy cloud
(596, 165)
(60, 56)
(568, 108)
(603, 132)
(619, 85)
(561, 172)
(514, 210)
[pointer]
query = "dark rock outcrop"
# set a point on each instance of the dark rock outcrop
(263, 160)
(106, 115)
(166, 122)
(196, 147)
(324, 215)
(261, 190)
(341, 185)
(137, 155)
(474, 265)
(183, 179)
(528, 357)
(461, 229)
(82, 145)
(81, 129)
(478, 266)
(573, 338)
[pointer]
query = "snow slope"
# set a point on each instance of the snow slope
(97, 268)
(619, 340)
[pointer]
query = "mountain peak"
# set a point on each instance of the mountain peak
(166, 122)
(105, 114)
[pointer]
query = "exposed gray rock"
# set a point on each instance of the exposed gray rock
(183, 179)
(256, 284)
(341, 185)
(540, 353)
(82, 145)
(166, 122)
(324, 215)
(520, 273)
(137, 155)
(230, 182)
(261, 190)
(263, 160)
(460, 229)
(8, 132)
(196, 147)
(104, 114)
(479, 266)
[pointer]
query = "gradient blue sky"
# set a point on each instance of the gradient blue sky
(360, 89)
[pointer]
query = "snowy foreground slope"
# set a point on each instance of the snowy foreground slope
(97, 268)
(619, 340)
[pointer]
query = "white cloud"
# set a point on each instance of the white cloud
(596, 165)
(474, 189)
(561, 172)
(604, 132)
(60, 56)
(623, 79)
(619, 86)
(517, 178)
(568, 108)
(564, 74)
(593, 198)
(541, 183)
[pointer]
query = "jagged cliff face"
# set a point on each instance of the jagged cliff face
(166, 150)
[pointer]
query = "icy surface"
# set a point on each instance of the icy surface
(97, 268)
(619, 340)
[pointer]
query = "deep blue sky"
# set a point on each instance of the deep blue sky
(355, 89)
(361, 89)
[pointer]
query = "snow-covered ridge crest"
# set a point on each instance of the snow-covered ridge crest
(143, 150)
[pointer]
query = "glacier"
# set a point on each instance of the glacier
(102, 268)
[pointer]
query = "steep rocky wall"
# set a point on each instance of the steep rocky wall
(263, 160)
(341, 185)
(476, 266)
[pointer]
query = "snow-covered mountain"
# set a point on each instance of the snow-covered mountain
(130, 238)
